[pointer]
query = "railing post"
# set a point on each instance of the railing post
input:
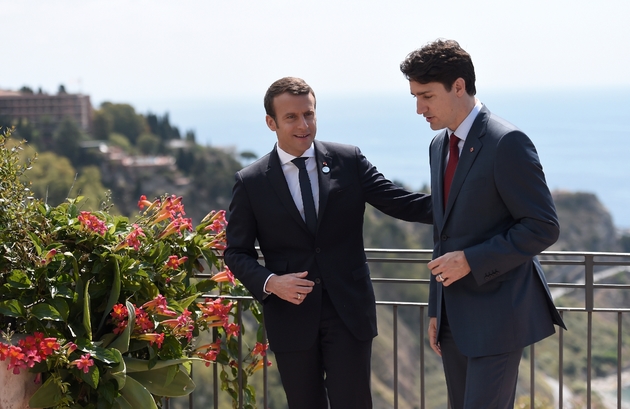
(532, 377)
(215, 373)
(395, 357)
(561, 365)
(619, 360)
(239, 315)
(589, 303)
(422, 332)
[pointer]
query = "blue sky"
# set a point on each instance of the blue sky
(127, 50)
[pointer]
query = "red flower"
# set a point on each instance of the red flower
(260, 349)
(174, 262)
(93, 223)
(84, 363)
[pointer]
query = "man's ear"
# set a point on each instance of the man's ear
(271, 123)
(459, 86)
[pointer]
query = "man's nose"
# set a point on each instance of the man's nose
(420, 107)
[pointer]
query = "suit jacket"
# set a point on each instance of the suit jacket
(263, 210)
(501, 214)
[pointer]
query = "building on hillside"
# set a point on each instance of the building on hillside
(39, 108)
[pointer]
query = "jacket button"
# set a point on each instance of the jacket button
(318, 250)
(444, 237)
(317, 281)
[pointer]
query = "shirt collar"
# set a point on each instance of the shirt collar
(463, 128)
(287, 157)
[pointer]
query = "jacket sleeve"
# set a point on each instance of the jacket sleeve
(390, 198)
(240, 254)
(520, 182)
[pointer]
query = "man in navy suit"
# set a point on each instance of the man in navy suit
(315, 286)
(493, 213)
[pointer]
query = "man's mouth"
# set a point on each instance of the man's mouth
(302, 136)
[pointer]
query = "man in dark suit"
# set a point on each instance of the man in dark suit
(493, 213)
(315, 286)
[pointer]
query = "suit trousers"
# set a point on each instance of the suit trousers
(336, 368)
(486, 382)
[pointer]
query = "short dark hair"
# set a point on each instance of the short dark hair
(292, 85)
(442, 61)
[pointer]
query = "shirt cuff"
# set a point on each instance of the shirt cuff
(265, 286)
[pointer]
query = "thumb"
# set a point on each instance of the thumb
(301, 274)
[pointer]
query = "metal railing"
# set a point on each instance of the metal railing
(593, 268)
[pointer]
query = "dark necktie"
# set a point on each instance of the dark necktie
(307, 195)
(450, 167)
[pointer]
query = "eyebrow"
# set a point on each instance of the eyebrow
(421, 93)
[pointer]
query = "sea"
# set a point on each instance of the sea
(582, 135)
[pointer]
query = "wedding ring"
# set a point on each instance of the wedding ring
(299, 297)
(441, 278)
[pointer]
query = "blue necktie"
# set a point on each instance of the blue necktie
(307, 195)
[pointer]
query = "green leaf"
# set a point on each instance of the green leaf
(161, 382)
(105, 355)
(45, 311)
(113, 294)
(141, 365)
(61, 306)
(91, 377)
(87, 321)
(107, 394)
(205, 286)
(188, 300)
(19, 279)
(12, 308)
(122, 342)
(36, 242)
(119, 372)
(136, 395)
(47, 395)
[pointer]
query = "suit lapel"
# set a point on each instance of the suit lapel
(440, 147)
(323, 159)
(278, 182)
(471, 149)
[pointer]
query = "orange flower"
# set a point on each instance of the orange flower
(143, 202)
(174, 262)
(153, 338)
(224, 276)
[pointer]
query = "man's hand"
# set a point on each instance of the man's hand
(290, 287)
(433, 336)
(449, 267)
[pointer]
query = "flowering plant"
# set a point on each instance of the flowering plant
(108, 310)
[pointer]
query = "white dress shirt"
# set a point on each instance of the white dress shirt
(291, 174)
(462, 130)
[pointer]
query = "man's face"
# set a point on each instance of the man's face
(438, 106)
(295, 123)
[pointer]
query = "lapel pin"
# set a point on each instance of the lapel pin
(472, 149)
(325, 168)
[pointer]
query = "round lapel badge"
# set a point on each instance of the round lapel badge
(325, 168)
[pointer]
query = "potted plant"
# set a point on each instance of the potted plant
(107, 310)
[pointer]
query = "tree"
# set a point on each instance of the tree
(102, 125)
(89, 185)
(125, 120)
(52, 178)
(67, 140)
(148, 144)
